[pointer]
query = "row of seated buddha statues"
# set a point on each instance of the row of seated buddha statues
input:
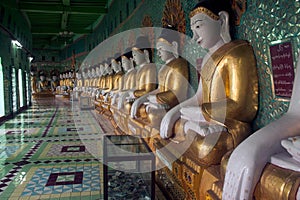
(66, 83)
(205, 143)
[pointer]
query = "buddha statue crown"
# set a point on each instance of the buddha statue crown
(212, 8)
(169, 34)
(142, 43)
(117, 57)
(127, 53)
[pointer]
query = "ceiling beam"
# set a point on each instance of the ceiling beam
(90, 9)
(47, 30)
(64, 18)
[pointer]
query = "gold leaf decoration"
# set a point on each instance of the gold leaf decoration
(174, 15)
(239, 8)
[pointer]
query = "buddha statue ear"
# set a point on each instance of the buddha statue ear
(225, 28)
(146, 54)
(175, 49)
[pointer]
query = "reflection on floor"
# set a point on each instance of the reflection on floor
(52, 151)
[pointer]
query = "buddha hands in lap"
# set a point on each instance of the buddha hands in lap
(172, 82)
(219, 115)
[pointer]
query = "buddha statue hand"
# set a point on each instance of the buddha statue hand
(152, 99)
(292, 145)
(130, 97)
(203, 128)
(168, 121)
(136, 105)
(122, 99)
(192, 113)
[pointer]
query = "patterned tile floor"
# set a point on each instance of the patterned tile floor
(52, 151)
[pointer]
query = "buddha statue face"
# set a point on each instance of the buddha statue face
(115, 65)
(43, 78)
(165, 51)
(138, 56)
(70, 74)
(108, 69)
(54, 78)
(61, 76)
(98, 71)
(89, 73)
(206, 31)
(102, 70)
(64, 76)
(126, 63)
(93, 73)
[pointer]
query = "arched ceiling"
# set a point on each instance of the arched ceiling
(54, 23)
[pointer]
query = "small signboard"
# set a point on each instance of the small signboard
(281, 55)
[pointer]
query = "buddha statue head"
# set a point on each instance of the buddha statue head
(71, 74)
(84, 73)
(78, 75)
(126, 60)
(141, 51)
(98, 71)
(42, 76)
(116, 62)
(102, 70)
(89, 73)
(108, 68)
(211, 23)
(93, 72)
(167, 44)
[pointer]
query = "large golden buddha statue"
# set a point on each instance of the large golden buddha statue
(129, 79)
(146, 71)
(267, 164)
(227, 97)
(172, 82)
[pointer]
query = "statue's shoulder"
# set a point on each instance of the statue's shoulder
(179, 62)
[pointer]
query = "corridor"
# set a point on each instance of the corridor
(52, 151)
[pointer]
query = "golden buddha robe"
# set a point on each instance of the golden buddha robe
(130, 80)
(43, 85)
(79, 83)
(173, 88)
(102, 82)
(233, 66)
(108, 83)
(33, 84)
(61, 82)
(230, 70)
(146, 80)
(91, 81)
(118, 81)
(173, 83)
(95, 82)
(145, 83)
(86, 83)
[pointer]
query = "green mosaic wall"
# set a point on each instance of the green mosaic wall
(13, 25)
(264, 22)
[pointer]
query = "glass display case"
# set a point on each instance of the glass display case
(128, 168)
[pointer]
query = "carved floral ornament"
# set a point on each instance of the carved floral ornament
(174, 15)
(239, 8)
